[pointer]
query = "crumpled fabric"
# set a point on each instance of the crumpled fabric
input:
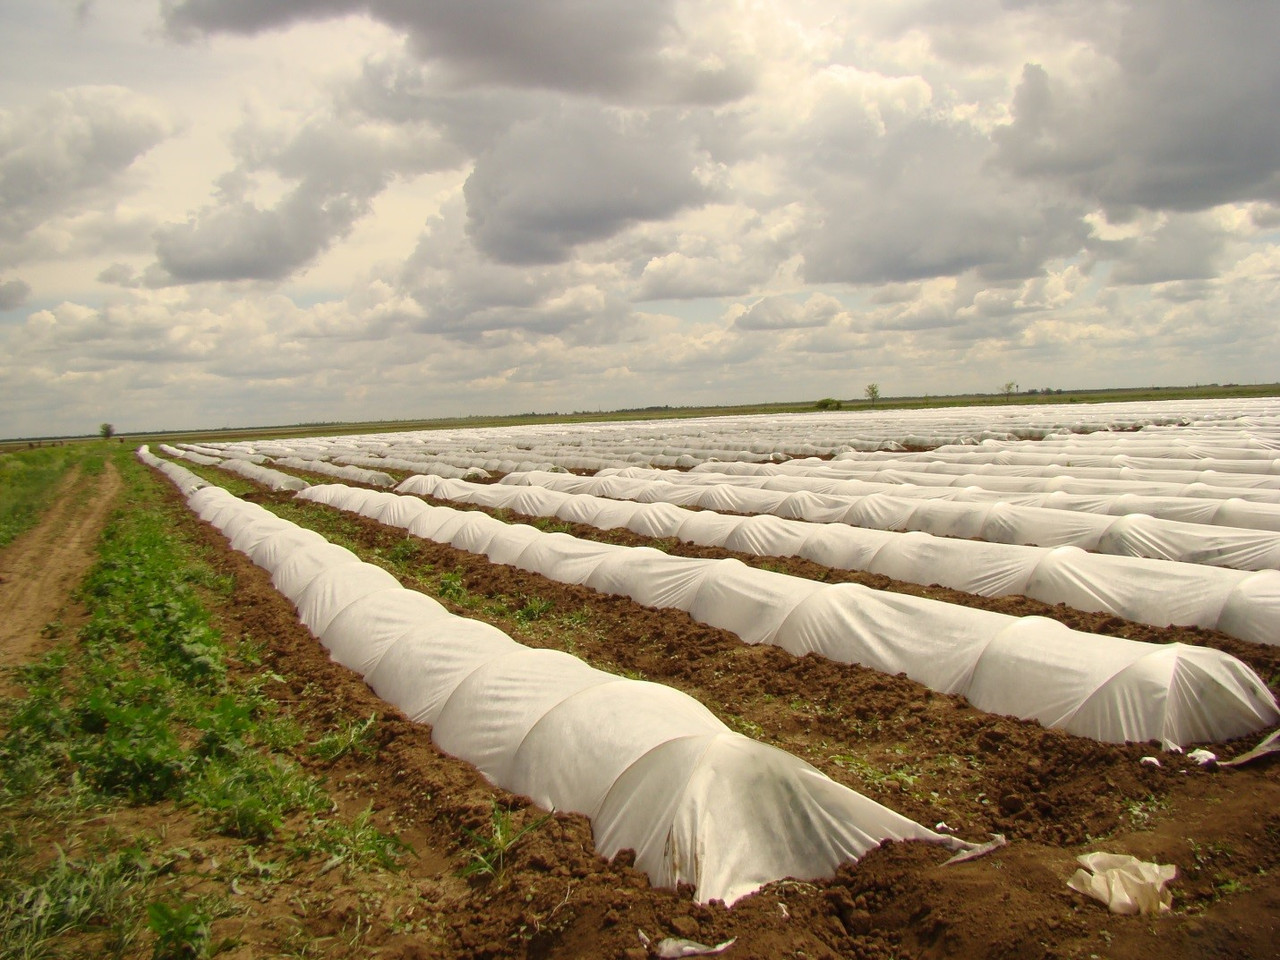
(1125, 884)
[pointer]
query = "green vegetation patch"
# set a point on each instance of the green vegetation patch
(28, 481)
(143, 708)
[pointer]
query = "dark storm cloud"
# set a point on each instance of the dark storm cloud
(1181, 249)
(1188, 118)
(922, 202)
(576, 175)
(568, 45)
(13, 294)
(242, 242)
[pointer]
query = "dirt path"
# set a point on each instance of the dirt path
(39, 570)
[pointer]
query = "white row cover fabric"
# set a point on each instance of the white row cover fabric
(273, 479)
(1045, 458)
(1149, 591)
(203, 450)
(346, 472)
(1005, 485)
(1242, 439)
(1256, 480)
(193, 456)
(415, 466)
(1031, 527)
(1034, 668)
(182, 478)
(1199, 429)
(1131, 535)
(244, 466)
(653, 769)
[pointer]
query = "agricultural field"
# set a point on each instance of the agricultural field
(187, 770)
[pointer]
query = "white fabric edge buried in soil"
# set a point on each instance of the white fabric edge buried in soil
(651, 767)
(1160, 592)
(1106, 688)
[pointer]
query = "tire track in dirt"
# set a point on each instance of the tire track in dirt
(40, 569)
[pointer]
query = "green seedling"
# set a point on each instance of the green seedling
(748, 728)
(867, 773)
(535, 608)
(249, 796)
(552, 525)
(355, 736)
(489, 854)
(358, 844)
(451, 587)
(182, 931)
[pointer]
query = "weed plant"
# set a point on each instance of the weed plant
(489, 853)
(535, 608)
(357, 844)
(91, 894)
(354, 736)
(182, 930)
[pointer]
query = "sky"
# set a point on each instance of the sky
(221, 213)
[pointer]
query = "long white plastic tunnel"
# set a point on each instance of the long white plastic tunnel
(1132, 534)
(247, 468)
(1160, 592)
(653, 769)
(1031, 519)
(1007, 485)
(1107, 688)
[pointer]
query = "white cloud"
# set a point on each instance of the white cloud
(219, 211)
(68, 154)
(783, 313)
(333, 171)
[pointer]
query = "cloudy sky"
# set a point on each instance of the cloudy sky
(226, 212)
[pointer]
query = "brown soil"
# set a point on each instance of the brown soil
(929, 756)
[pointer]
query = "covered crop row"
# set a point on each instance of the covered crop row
(1102, 687)
(244, 466)
(1246, 605)
(182, 478)
(823, 479)
(654, 770)
(687, 442)
(1131, 535)
(192, 456)
(1058, 483)
(431, 466)
(1230, 481)
(1031, 461)
(373, 478)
